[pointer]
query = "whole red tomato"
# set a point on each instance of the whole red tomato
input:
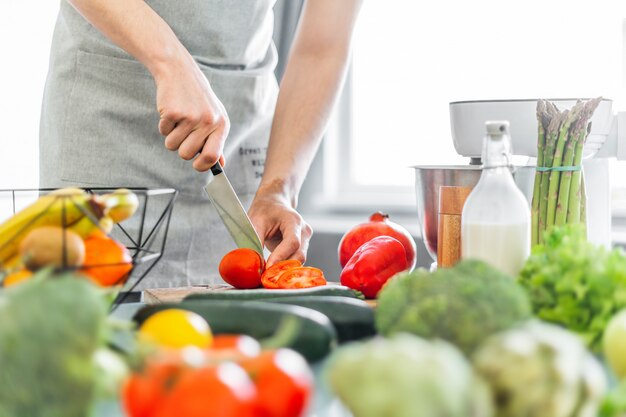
(223, 390)
(373, 264)
(284, 382)
(242, 268)
(379, 225)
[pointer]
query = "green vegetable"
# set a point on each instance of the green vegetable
(263, 293)
(314, 339)
(406, 376)
(50, 330)
(462, 305)
(353, 318)
(576, 284)
(540, 369)
(614, 404)
(558, 197)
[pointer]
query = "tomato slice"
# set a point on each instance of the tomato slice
(271, 274)
(301, 277)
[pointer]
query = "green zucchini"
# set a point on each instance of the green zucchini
(263, 293)
(353, 319)
(314, 340)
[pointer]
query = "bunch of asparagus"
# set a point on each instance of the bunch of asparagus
(559, 193)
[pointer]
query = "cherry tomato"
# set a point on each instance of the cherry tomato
(373, 264)
(224, 390)
(242, 268)
(143, 392)
(176, 328)
(272, 274)
(283, 380)
(239, 344)
(379, 225)
(301, 277)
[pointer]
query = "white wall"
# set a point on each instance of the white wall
(25, 36)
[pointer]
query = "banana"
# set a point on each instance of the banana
(120, 204)
(86, 226)
(62, 207)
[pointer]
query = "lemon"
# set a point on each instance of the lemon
(176, 328)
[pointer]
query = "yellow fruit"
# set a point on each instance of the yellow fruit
(615, 344)
(61, 207)
(120, 204)
(176, 328)
(16, 277)
(52, 246)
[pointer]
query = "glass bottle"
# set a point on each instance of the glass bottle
(496, 217)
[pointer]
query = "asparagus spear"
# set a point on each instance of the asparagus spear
(583, 201)
(542, 116)
(548, 155)
(555, 176)
(578, 134)
(575, 192)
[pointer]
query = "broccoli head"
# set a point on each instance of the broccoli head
(50, 328)
(462, 305)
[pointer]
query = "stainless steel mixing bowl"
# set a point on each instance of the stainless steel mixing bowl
(428, 179)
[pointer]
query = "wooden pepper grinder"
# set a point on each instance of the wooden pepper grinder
(451, 201)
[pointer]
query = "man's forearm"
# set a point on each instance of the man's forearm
(310, 87)
(136, 28)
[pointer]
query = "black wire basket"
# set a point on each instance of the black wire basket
(144, 234)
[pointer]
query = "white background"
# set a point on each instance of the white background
(25, 36)
(412, 58)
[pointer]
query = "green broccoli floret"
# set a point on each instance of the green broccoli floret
(50, 329)
(462, 305)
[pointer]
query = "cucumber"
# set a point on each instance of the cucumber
(353, 319)
(315, 339)
(263, 293)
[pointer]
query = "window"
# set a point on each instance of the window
(411, 59)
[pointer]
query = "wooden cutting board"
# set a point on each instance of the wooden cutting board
(177, 294)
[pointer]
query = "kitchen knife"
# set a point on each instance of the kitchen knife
(231, 211)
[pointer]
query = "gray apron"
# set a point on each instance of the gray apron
(99, 123)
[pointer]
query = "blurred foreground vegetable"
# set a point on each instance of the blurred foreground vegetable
(407, 376)
(52, 354)
(462, 305)
(576, 284)
(540, 370)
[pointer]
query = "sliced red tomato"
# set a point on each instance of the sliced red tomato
(272, 274)
(301, 277)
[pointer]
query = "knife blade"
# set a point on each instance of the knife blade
(230, 210)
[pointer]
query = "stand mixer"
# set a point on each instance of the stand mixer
(467, 121)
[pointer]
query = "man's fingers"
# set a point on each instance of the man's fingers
(305, 237)
(288, 247)
(192, 144)
(166, 126)
(211, 150)
(176, 137)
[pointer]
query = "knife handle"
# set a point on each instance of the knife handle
(217, 168)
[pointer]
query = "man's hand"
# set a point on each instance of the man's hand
(193, 119)
(281, 229)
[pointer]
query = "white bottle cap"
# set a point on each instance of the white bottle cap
(500, 127)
